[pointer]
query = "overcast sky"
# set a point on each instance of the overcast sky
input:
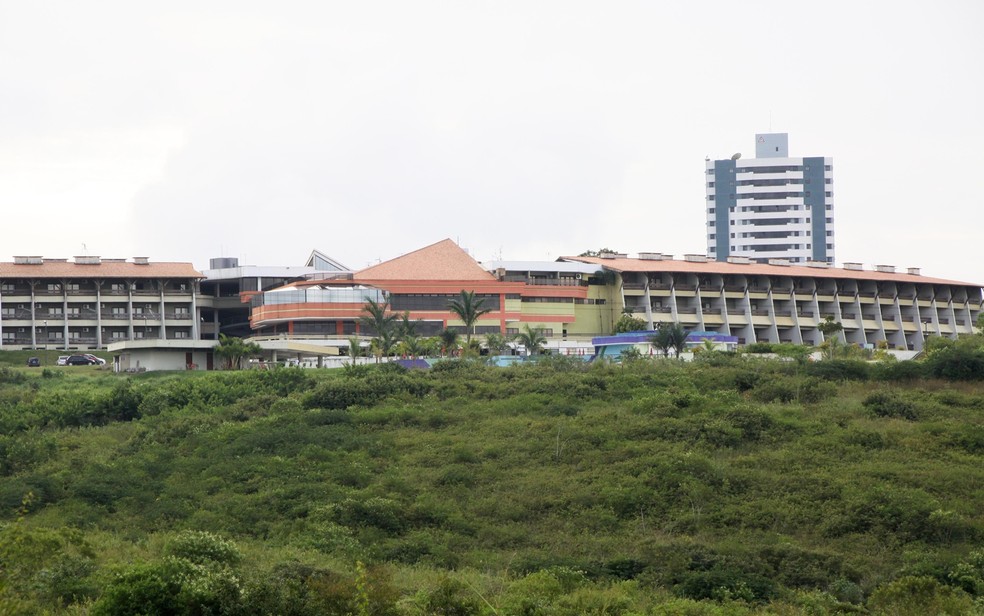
(523, 130)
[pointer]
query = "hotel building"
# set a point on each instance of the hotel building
(771, 206)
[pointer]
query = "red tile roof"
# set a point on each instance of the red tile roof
(68, 269)
(757, 269)
(441, 261)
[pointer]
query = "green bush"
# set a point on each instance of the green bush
(892, 405)
(919, 596)
(840, 370)
(959, 363)
(203, 548)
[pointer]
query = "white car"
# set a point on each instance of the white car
(97, 360)
(62, 360)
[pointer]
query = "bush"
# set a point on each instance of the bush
(840, 370)
(919, 596)
(203, 548)
(901, 371)
(887, 404)
(959, 363)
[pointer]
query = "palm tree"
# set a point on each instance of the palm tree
(408, 328)
(662, 339)
(670, 336)
(449, 339)
(234, 350)
(355, 348)
(469, 309)
(496, 343)
(383, 324)
(532, 339)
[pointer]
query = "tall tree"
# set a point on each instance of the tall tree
(235, 350)
(670, 336)
(469, 309)
(449, 339)
(531, 338)
(383, 323)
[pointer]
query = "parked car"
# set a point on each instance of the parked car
(33, 362)
(61, 360)
(78, 360)
(96, 360)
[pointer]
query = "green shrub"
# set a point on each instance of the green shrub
(203, 548)
(12, 377)
(900, 371)
(959, 363)
(919, 596)
(840, 370)
(892, 405)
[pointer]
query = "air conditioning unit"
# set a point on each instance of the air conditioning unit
(577, 276)
(707, 307)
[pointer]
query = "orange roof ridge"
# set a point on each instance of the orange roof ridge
(442, 260)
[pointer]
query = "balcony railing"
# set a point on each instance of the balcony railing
(805, 313)
(685, 287)
(736, 312)
(760, 313)
(734, 288)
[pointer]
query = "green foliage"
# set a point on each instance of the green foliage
(732, 486)
(469, 309)
(532, 339)
(890, 404)
(235, 350)
(918, 596)
(963, 361)
(203, 548)
(628, 323)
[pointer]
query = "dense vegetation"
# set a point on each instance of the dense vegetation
(726, 486)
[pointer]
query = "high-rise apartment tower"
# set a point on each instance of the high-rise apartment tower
(771, 206)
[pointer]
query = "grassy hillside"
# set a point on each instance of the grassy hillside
(725, 487)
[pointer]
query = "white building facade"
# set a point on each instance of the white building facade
(771, 206)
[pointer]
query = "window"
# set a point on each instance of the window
(180, 334)
(72, 286)
(711, 236)
(54, 287)
(829, 220)
(710, 184)
(828, 194)
(710, 210)
(6, 287)
(710, 197)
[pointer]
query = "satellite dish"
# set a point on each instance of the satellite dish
(736, 156)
